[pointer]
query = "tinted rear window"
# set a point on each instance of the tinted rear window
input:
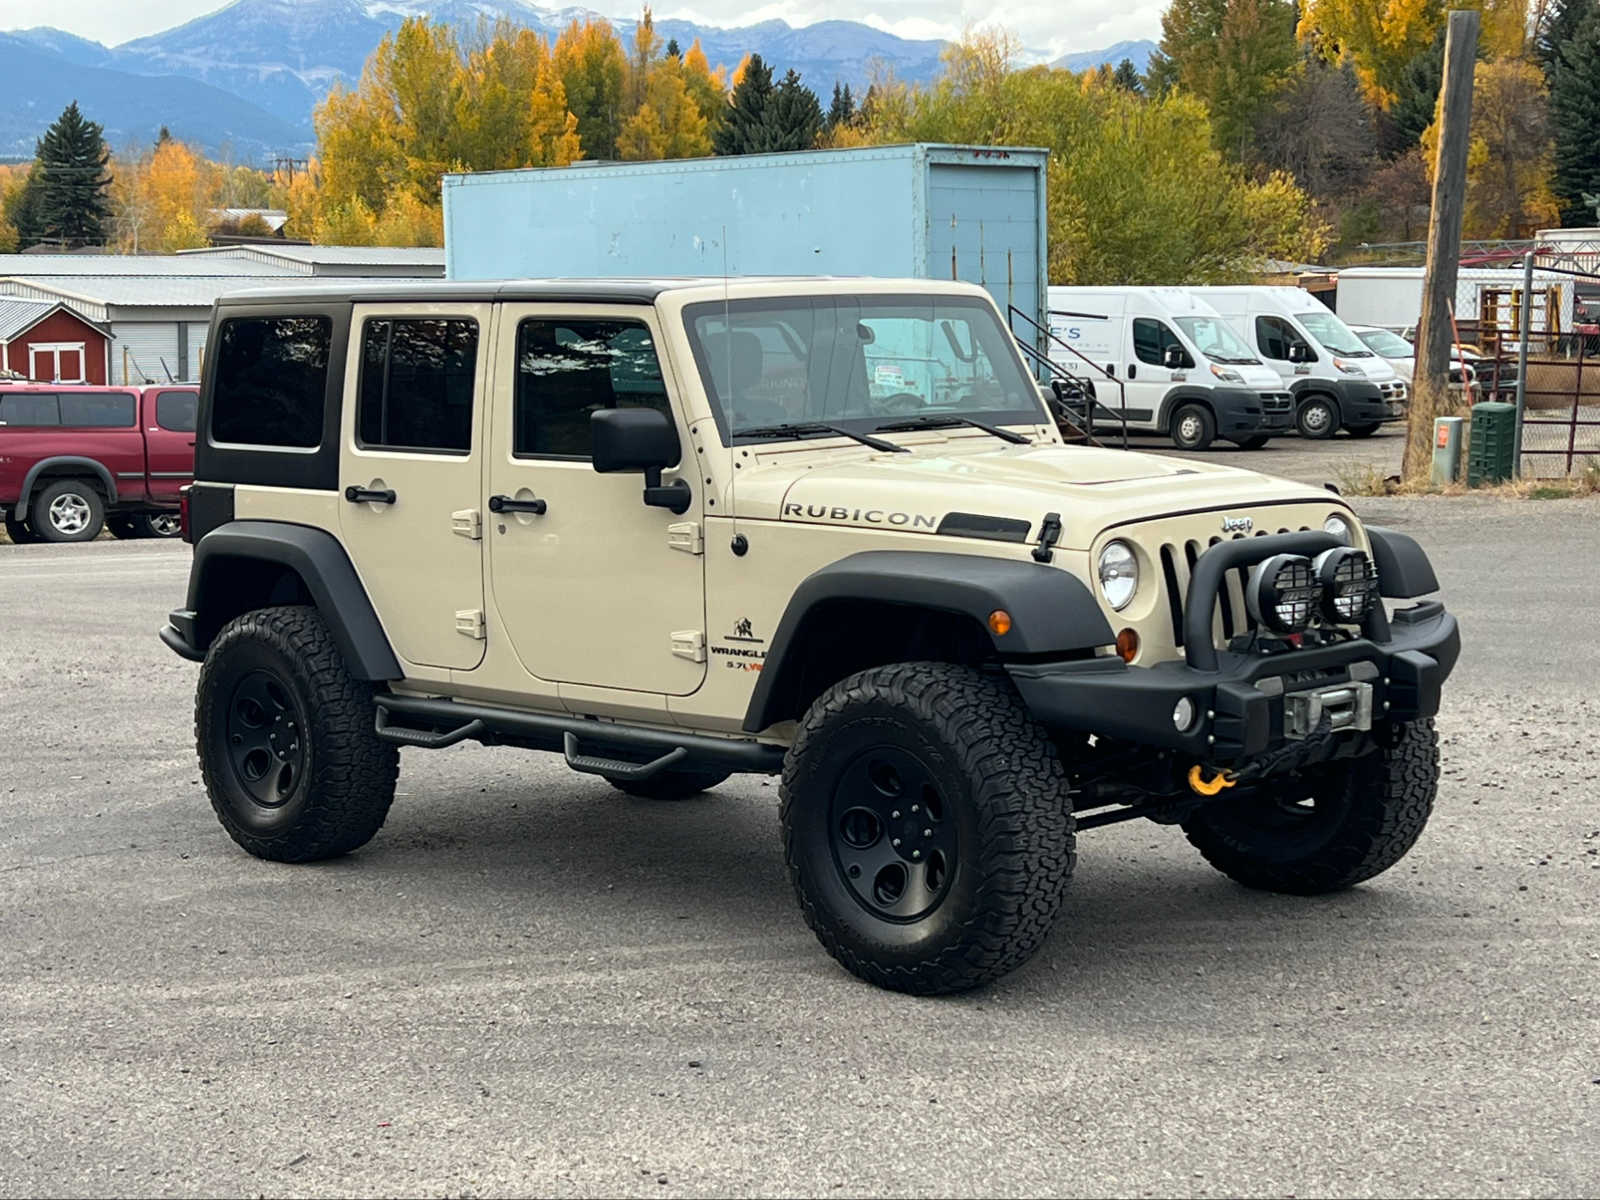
(272, 381)
(176, 411)
(27, 409)
(98, 410)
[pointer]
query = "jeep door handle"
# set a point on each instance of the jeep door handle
(361, 495)
(505, 504)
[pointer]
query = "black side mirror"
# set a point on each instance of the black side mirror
(639, 439)
(1172, 358)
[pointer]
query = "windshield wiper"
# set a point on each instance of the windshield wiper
(802, 428)
(950, 421)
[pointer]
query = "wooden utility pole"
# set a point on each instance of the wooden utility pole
(1430, 381)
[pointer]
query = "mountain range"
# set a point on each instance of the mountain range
(241, 82)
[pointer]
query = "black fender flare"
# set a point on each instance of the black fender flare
(1404, 572)
(1179, 396)
(322, 565)
(1053, 612)
(79, 466)
(1303, 389)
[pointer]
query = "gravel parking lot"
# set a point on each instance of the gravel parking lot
(529, 984)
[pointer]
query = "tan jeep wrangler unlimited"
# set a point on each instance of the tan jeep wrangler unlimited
(678, 530)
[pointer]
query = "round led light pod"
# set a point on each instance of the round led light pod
(1347, 579)
(1283, 593)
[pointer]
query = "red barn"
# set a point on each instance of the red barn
(49, 343)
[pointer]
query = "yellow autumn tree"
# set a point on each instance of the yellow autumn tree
(668, 123)
(708, 88)
(511, 107)
(593, 68)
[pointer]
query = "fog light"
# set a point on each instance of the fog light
(1283, 593)
(1183, 715)
(1128, 645)
(1346, 576)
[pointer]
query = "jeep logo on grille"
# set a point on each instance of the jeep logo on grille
(1237, 524)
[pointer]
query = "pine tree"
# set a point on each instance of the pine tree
(1574, 101)
(795, 115)
(673, 50)
(1417, 96)
(1127, 78)
(843, 109)
(1559, 24)
(72, 204)
(742, 131)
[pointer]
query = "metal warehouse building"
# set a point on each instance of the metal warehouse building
(154, 310)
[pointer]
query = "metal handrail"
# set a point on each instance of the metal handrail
(1122, 393)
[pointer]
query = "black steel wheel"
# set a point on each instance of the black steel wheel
(1328, 828)
(927, 827)
(291, 761)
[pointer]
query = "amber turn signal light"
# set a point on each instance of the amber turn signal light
(999, 622)
(1127, 645)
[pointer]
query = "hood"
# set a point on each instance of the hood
(1377, 368)
(982, 487)
(1260, 376)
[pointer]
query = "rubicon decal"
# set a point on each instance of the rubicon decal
(841, 515)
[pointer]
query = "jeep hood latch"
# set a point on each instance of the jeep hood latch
(1049, 535)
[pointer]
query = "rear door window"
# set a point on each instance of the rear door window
(272, 381)
(29, 410)
(417, 381)
(99, 410)
(176, 410)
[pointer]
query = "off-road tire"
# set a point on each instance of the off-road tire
(1256, 442)
(1377, 807)
(1192, 427)
(60, 497)
(1362, 431)
(1317, 417)
(344, 785)
(1001, 783)
(670, 785)
(20, 532)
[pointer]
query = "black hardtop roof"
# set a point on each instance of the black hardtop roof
(577, 291)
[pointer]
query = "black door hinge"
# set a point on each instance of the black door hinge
(1049, 535)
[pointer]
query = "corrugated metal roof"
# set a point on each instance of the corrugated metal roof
(347, 256)
(95, 293)
(17, 315)
(35, 266)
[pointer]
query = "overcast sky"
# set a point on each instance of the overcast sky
(1056, 26)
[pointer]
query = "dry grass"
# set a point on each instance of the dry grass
(1371, 481)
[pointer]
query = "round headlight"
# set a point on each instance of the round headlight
(1283, 593)
(1346, 577)
(1119, 574)
(1339, 527)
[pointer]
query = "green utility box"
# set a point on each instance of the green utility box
(1491, 448)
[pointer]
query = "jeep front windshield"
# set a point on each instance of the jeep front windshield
(856, 361)
(1335, 336)
(1213, 338)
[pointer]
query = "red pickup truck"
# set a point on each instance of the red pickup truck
(74, 460)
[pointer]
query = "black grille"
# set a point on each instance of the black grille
(1178, 560)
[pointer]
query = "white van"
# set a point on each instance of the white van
(1337, 380)
(1176, 367)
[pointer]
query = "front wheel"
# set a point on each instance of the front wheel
(1317, 418)
(1193, 427)
(1330, 827)
(286, 739)
(927, 826)
(1362, 431)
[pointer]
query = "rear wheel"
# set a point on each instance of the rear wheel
(68, 510)
(1362, 431)
(927, 827)
(20, 532)
(1317, 418)
(1193, 427)
(162, 524)
(286, 739)
(1327, 828)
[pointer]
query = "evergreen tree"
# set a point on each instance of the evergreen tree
(72, 203)
(1416, 97)
(795, 115)
(673, 50)
(1560, 23)
(1127, 78)
(742, 131)
(1574, 101)
(843, 109)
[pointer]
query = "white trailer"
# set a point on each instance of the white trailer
(1391, 297)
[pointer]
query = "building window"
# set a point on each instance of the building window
(417, 383)
(272, 381)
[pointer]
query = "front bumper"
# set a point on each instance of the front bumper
(1247, 702)
(1364, 403)
(1243, 413)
